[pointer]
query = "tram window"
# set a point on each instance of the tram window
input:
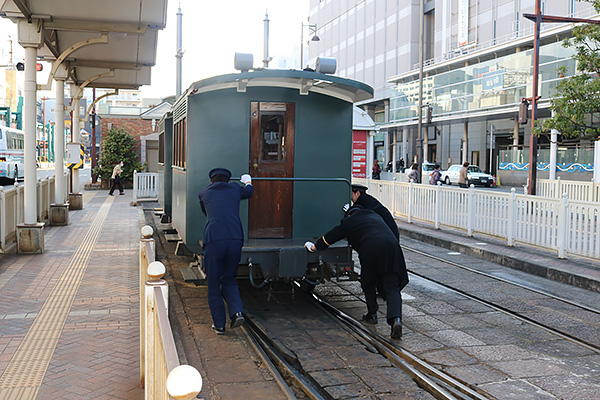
(179, 144)
(161, 148)
(272, 127)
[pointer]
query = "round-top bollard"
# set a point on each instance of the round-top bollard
(156, 270)
(147, 231)
(184, 382)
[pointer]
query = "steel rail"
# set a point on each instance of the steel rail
(414, 366)
(556, 332)
(267, 346)
(538, 291)
(258, 349)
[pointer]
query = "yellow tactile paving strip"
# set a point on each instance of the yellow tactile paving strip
(25, 372)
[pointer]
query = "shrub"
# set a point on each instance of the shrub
(118, 145)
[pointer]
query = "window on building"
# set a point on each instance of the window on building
(179, 144)
(161, 148)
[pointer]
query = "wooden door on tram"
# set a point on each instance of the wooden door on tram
(271, 155)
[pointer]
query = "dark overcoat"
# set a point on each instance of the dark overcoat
(378, 249)
(369, 202)
(220, 202)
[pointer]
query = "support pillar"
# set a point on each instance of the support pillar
(59, 210)
(597, 161)
(553, 151)
(75, 197)
(465, 140)
(30, 234)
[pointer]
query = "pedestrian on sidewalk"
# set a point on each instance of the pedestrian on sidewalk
(414, 173)
(376, 170)
(116, 179)
(380, 258)
(463, 179)
(222, 244)
(436, 175)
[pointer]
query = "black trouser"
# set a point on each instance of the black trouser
(391, 287)
(116, 183)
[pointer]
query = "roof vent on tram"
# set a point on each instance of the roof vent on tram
(326, 65)
(243, 61)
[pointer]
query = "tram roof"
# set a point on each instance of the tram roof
(305, 81)
(131, 25)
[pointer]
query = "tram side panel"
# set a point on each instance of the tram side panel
(165, 161)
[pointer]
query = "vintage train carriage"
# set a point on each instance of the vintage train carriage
(165, 159)
(292, 131)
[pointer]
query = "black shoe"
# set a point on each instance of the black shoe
(122, 193)
(396, 328)
(218, 331)
(237, 320)
(370, 318)
(110, 194)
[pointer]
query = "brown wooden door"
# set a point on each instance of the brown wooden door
(271, 155)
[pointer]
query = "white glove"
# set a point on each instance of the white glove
(310, 246)
(246, 179)
(346, 207)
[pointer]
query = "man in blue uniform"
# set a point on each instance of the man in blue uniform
(381, 259)
(222, 243)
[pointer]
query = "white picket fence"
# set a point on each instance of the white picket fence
(575, 190)
(145, 186)
(12, 205)
(560, 224)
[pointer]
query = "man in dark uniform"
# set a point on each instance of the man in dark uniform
(380, 258)
(222, 243)
(361, 198)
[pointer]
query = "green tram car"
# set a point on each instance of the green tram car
(165, 164)
(291, 131)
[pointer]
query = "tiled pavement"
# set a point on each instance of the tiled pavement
(69, 321)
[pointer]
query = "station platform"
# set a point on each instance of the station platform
(576, 271)
(69, 319)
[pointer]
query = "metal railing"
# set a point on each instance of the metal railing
(560, 224)
(12, 204)
(575, 190)
(161, 375)
(145, 186)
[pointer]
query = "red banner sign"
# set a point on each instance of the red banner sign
(359, 154)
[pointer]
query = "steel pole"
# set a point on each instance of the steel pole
(302, 46)
(93, 150)
(29, 123)
(420, 150)
(266, 49)
(533, 139)
(179, 54)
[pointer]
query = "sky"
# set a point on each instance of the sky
(213, 31)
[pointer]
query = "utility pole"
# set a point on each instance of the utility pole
(420, 111)
(538, 18)
(93, 150)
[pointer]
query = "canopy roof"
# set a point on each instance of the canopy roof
(131, 27)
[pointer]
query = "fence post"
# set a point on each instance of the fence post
(510, 218)
(393, 196)
(410, 201)
(438, 205)
(38, 194)
(558, 188)
(146, 232)
(135, 187)
(563, 232)
(2, 219)
(156, 271)
(471, 210)
(17, 204)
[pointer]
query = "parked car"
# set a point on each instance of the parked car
(475, 176)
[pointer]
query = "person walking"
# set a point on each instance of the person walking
(463, 178)
(222, 244)
(116, 179)
(380, 258)
(436, 175)
(376, 170)
(414, 173)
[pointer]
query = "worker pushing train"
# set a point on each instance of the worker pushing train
(222, 243)
(380, 258)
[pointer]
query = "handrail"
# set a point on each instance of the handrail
(161, 375)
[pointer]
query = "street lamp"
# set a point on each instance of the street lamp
(312, 29)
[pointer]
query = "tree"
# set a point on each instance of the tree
(576, 100)
(118, 145)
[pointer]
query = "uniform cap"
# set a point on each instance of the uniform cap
(360, 188)
(219, 171)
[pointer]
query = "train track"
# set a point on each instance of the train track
(288, 371)
(589, 311)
